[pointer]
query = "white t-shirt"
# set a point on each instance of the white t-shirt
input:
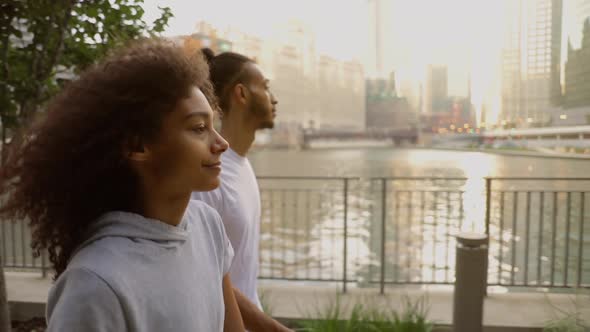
(238, 202)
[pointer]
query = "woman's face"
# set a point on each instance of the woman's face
(186, 154)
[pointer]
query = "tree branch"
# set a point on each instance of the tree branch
(5, 100)
(58, 49)
(45, 72)
(4, 314)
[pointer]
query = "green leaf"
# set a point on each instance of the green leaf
(43, 19)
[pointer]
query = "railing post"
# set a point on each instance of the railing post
(488, 221)
(345, 237)
(383, 229)
(470, 282)
(43, 264)
(488, 204)
(581, 239)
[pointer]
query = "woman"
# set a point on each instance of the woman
(105, 179)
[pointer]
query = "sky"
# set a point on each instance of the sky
(438, 34)
(340, 25)
(465, 35)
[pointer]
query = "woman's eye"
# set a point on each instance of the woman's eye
(199, 129)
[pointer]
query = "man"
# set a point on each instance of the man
(247, 105)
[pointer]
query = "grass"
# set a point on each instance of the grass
(264, 298)
(566, 324)
(568, 320)
(411, 318)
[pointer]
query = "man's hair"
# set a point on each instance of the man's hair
(226, 70)
(70, 167)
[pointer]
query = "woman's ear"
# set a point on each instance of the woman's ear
(136, 150)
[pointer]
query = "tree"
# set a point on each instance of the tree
(4, 316)
(43, 43)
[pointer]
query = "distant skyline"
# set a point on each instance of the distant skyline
(464, 35)
(339, 26)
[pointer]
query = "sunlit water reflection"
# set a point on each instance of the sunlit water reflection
(303, 221)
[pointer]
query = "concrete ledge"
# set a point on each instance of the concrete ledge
(27, 287)
(27, 294)
(441, 328)
(503, 312)
(22, 311)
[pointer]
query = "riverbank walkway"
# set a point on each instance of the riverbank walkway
(503, 311)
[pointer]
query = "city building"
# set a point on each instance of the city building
(577, 72)
(294, 75)
(385, 109)
(252, 46)
(531, 58)
(436, 90)
(575, 109)
(314, 91)
(577, 66)
(575, 116)
(377, 39)
(579, 12)
(341, 94)
(458, 117)
(206, 36)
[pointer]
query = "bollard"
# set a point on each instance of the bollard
(470, 282)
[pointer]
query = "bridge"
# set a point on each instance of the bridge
(396, 136)
(572, 138)
(549, 137)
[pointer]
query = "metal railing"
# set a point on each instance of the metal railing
(15, 248)
(538, 231)
(367, 231)
(401, 230)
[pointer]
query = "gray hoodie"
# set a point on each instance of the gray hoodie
(140, 274)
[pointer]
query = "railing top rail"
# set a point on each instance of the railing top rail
(335, 178)
(433, 178)
(509, 178)
(418, 178)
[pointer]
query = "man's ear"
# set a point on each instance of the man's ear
(241, 93)
(135, 150)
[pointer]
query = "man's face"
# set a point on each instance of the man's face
(262, 103)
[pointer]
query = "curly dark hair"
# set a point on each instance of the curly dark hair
(69, 167)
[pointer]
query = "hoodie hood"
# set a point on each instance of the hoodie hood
(137, 227)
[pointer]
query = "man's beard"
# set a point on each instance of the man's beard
(266, 124)
(257, 110)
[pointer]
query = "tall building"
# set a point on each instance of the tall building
(579, 13)
(251, 46)
(314, 91)
(436, 89)
(531, 58)
(410, 90)
(388, 41)
(207, 36)
(576, 108)
(577, 72)
(385, 109)
(376, 37)
(341, 94)
(295, 75)
(328, 95)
